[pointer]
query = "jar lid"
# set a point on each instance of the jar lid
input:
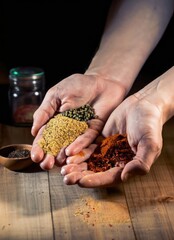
(26, 73)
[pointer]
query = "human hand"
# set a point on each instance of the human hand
(74, 92)
(77, 171)
(141, 116)
(142, 121)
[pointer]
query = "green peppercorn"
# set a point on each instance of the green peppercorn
(83, 113)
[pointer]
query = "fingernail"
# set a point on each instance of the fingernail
(32, 129)
(65, 180)
(60, 160)
(63, 172)
(33, 157)
(67, 152)
(72, 152)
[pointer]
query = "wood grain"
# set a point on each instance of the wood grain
(88, 213)
(25, 206)
(150, 198)
(36, 205)
(10, 134)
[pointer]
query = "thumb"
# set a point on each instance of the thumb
(133, 168)
(142, 162)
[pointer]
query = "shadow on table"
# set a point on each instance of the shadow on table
(33, 168)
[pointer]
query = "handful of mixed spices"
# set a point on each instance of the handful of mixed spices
(112, 151)
(64, 128)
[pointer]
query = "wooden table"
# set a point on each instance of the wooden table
(37, 205)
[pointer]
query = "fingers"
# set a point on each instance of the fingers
(47, 109)
(81, 142)
(133, 168)
(85, 139)
(37, 153)
(82, 156)
(48, 162)
(89, 179)
(147, 153)
(115, 124)
(73, 168)
(61, 157)
(101, 179)
(38, 156)
(74, 177)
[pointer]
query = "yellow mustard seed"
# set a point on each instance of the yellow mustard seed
(59, 132)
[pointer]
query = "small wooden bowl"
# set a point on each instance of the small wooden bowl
(15, 164)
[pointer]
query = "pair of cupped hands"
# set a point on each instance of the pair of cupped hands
(135, 115)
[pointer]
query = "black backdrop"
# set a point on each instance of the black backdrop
(61, 37)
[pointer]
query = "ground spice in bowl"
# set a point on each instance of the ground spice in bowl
(113, 151)
(16, 157)
(19, 153)
(64, 128)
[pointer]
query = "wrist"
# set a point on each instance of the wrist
(117, 74)
(108, 84)
(166, 91)
(160, 94)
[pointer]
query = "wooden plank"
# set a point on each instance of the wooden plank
(88, 213)
(11, 134)
(24, 199)
(37, 205)
(150, 198)
(25, 206)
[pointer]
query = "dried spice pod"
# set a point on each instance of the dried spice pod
(113, 151)
(83, 113)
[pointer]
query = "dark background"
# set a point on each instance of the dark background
(61, 37)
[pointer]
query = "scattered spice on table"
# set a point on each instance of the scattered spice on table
(92, 210)
(113, 151)
(64, 128)
(19, 153)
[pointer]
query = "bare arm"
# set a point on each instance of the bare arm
(160, 92)
(132, 32)
(142, 117)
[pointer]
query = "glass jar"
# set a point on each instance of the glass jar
(26, 92)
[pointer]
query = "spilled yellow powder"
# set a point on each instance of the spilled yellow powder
(59, 132)
(96, 212)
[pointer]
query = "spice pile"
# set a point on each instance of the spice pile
(92, 210)
(19, 153)
(113, 151)
(64, 128)
(83, 113)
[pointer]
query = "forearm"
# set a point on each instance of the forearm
(132, 31)
(160, 93)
